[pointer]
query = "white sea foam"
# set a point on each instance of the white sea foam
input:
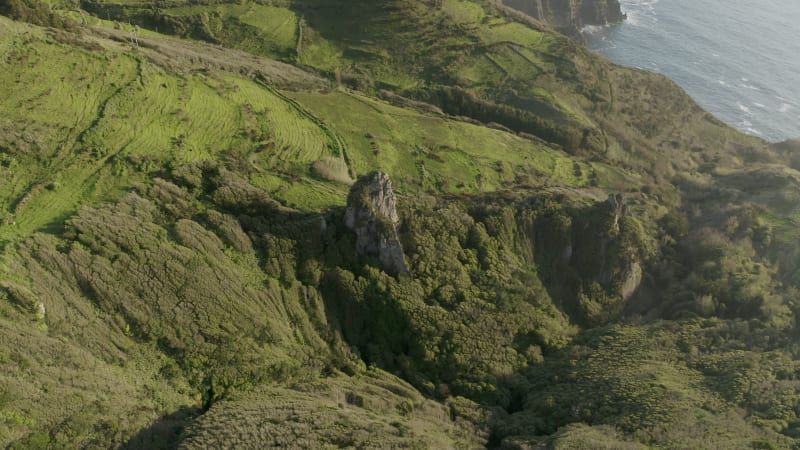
(640, 12)
(760, 105)
(785, 107)
(747, 127)
(593, 29)
(744, 109)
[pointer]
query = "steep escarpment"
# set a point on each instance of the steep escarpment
(569, 16)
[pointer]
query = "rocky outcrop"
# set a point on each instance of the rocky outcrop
(632, 279)
(601, 263)
(372, 215)
(599, 12)
(631, 275)
(570, 16)
(618, 207)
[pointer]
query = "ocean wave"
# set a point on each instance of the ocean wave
(640, 12)
(744, 109)
(747, 127)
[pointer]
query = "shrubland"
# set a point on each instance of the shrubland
(593, 261)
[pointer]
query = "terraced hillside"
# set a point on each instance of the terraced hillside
(480, 60)
(593, 261)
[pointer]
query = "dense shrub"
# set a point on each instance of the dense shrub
(35, 12)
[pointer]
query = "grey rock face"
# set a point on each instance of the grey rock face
(372, 215)
(632, 274)
(569, 16)
(633, 279)
(618, 207)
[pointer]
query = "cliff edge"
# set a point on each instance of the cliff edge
(570, 16)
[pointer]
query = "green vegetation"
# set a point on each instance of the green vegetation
(176, 271)
(369, 410)
(260, 29)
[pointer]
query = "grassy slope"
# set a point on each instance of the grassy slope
(115, 117)
(373, 409)
(128, 116)
(427, 151)
(498, 57)
(99, 333)
(88, 119)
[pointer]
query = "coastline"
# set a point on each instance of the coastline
(570, 18)
(748, 86)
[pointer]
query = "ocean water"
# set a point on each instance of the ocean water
(740, 60)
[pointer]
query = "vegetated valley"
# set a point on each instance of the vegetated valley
(379, 224)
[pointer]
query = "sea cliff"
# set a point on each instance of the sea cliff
(569, 16)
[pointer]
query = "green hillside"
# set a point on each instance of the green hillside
(592, 260)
